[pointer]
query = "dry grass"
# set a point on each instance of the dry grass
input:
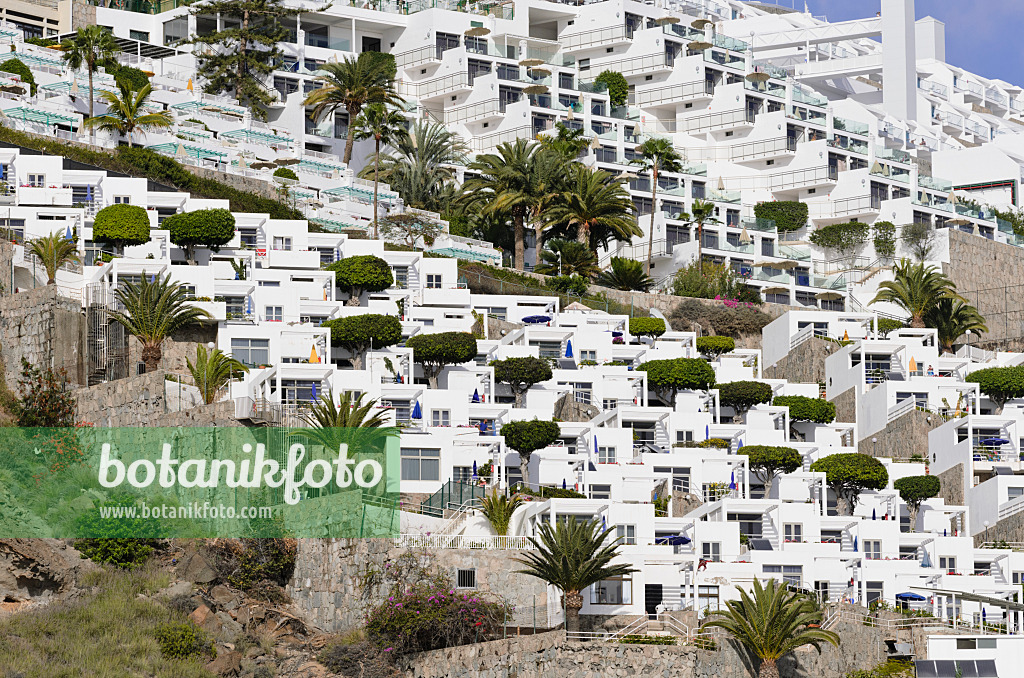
(111, 634)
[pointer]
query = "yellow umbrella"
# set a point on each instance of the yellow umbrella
(180, 150)
(189, 85)
(313, 357)
(846, 336)
(913, 365)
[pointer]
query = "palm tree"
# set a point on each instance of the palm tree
(952, 317)
(350, 421)
(625, 274)
(702, 212)
(386, 128)
(772, 623)
(154, 308)
(353, 84)
(422, 171)
(916, 289)
(567, 257)
(90, 46)
(126, 113)
(568, 143)
(498, 510)
(54, 251)
(572, 556)
(592, 204)
(509, 182)
(656, 155)
(212, 371)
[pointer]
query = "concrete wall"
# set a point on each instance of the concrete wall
(82, 14)
(999, 298)
(327, 589)
(44, 328)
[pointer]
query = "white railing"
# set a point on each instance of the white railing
(759, 149)
(802, 177)
(801, 337)
(901, 408)
(671, 94)
(1012, 507)
(489, 142)
(461, 541)
(598, 36)
(483, 109)
(704, 123)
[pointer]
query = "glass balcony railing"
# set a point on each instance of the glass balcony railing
(883, 153)
(763, 225)
(935, 88)
(935, 184)
(809, 98)
(851, 126)
(340, 44)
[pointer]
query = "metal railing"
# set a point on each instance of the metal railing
(673, 93)
(711, 121)
(462, 541)
(599, 36)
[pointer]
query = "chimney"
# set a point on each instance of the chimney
(899, 59)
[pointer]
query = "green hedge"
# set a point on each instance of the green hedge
(19, 68)
(618, 88)
(788, 216)
(142, 162)
(123, 225)
(286, 173)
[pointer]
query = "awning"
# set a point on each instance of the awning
(466, 255)
(65, 87)
(209, 106)
(335, 226)
(31, 60)
(40, 116)
(319, 166)
(352, 192)
(189, 150)
(256, 136)
(974, 598)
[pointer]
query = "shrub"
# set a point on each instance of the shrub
(713, 281)
(435, 351)
(618, 87)
(286, 173)
(121, 225)
(668, 377)
(884, 239)
(847, 475)
(362, 273)
(363, 659)
(887, 325)
(45, 400)
(211, 228)
(728, 319)
(766, 461)
(742, 395)
(360, 333)
(914, 490)
(24, 73)
(248, 564)
(802, 408)
(843, 238)
(520, 374)
(185, 641)
(552, 493)
(647, 640)
(714, 444)
(787, 215)
(431, 617)
(528, 436)
(131, 78)
(574, 285)
(713, 347)
(647, 327)
(1000, 384)
(127, 554)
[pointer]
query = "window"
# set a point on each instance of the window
(401, 276)
(947, 564)
(626, 533)
(465, 579)
(614, 591)
(251, 351)
(138, 35)
(433, 281)
(282, 243)
(39, 181)
(873, 591)
(421, 463)
(582, 392)
(794, 532)
(247, 236)
(711, 551)
(791, 574)
(548, 349)
(684, 437)
(872, 549)
(707, 597)
(441, 418)
(189, 290)
(270, 283)
(588, 355)
(831, 537)
(601, 491)
(606, 455)
(175, 30)
(122, 200)
(680, 477)
(1014, 493)
(273, 314)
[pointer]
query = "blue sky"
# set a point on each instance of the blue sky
(981, 35)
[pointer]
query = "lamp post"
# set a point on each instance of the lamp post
(206, 370)
(559, 263)
(874, 447)
(986, 530)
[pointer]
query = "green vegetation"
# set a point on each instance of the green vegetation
(847, 475)
(571, 285)
(24, 73)
(44, 400)
(88, 48)
(714, 444)
(917, 289)
(386, 128)
(715, 346)
(361, 273)
(121, 225)
(618, 88)
(54, 251)
(572, 556)
(627, 275)
(802, 408)
(887, 325)
(914, 490)
(498, 509)
(729, 320)
(884, 239)
(1000, 384)
(183, 640)
(647, 327)
(702, 212)
(359, 333)
(713, 281)
(212, 371)
(520, 374)
(526, 437)
(668, 377)
(567, 257)
(593, 207)
(434, 352)
(654, 156)
(742, 395)
(127, 114)
(766, 462)
(772, 623)
(788, 216)
(211, 228)
(919, 238)
(127, 554)
(952, 318)
(286, 173)
(843, 238)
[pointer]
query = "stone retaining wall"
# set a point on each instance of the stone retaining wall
(1000, 298)
(805, 364)
(44, 328)
(952, 485)
(144, 401)
(903, 438)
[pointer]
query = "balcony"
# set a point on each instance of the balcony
(762, 150)
(674, 95)
(43, 195)
(800, 179)
(478, 112)
(717, 121)
(601, 37)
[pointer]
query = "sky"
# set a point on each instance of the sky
(981, 35)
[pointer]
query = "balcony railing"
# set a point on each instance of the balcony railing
(674, 94)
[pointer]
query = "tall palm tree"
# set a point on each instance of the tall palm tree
(54, 251)
(509, 182)
(656, 155)
(772, 623)
(348, 412)
(593, 204)
(569, 143)
(154, 308)
(952, 317)
(572, 556)
(386, 128)
(702, 212)
(212, 371)
(422, 170)
(89, 47)
(625, 274)
(126, 114)
(567, 257)
(916, 289)
(498, 510)
(353, 84)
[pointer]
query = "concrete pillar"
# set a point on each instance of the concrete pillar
(899, 65)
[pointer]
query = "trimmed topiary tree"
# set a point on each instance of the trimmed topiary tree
(667, 377)
(843, 238)
(24, 73)
(847, 475)
(211, 228)
(362, 273)
(286, 173)
(647, 327)
(359, 333)
(121, 226)
(887, 325)
(1000, 384)
(525, 437)
(914, 490)
(787, 215)
(802, 408)
(766, 462)
(714, 347)
(436, 351)
(520, 374)
(618, 87)
(131, 78)
(742, 395)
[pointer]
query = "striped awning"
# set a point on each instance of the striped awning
(37, 115)
(187, 149)
(466, 255)
(256, 136)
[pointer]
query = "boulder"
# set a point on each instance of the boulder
(226, 664)
(196, 568)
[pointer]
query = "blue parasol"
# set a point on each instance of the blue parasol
(568, 349)
(910, 596)
(88, 192)
(563, 483)
(68, 236)
(476, 395)
(678, 540)
(417, 413)
(616, 334)
(994, 441)
(248, 305)
(732, 481)
(874, 516)
(312, 391)
(536, 319)
(855, 544)
(474, 469)
(926, 561)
